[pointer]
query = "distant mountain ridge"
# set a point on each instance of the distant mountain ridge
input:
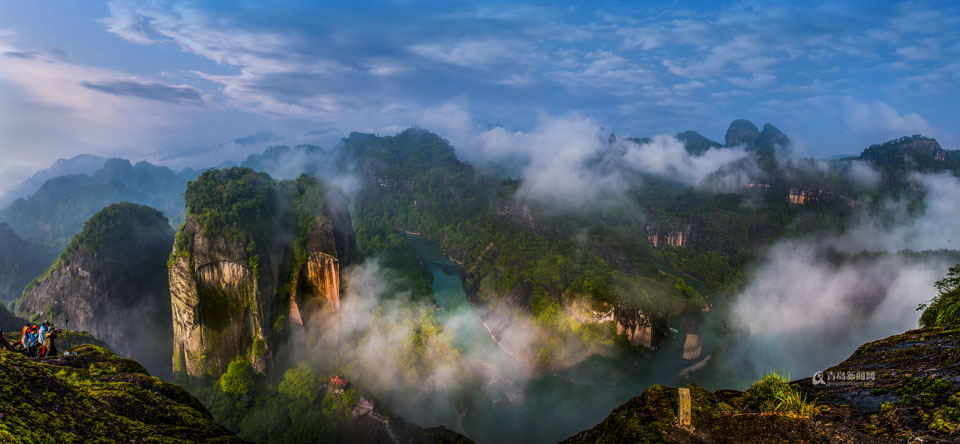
(914, 152)
(20, 261)
(58, 209)
(80, 164)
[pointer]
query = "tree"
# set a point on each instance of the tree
(238, 380)
(950, 282)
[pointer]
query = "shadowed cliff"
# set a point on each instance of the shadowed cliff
(111, 282)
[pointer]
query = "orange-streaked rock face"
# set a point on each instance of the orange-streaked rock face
(225, 305)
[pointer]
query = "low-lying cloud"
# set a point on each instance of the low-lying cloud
(812, 301)
(571, 161)
(430, 365)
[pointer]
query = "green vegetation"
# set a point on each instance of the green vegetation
(915, 394)
(909, 153)
(58, 210)
(262, 220)
(946, 418)
(238, 380)
(233, 202)
(111, 228)
(298, 408)
(95, 397)
(182, 245)
(944, 309)
(774, 394)
(528, 254)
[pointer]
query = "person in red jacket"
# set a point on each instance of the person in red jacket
(23, 335)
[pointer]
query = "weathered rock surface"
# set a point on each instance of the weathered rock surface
(95, 396)
(111, 281)
(900, 389)
(370, 423)
(224, 308)
(230, 299)
(639, 329)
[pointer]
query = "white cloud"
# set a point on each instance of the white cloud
(48, 110)
(877, 120)
(666, 156)
(863, 174)
(802, 310)
(568, 161)
(475, 53)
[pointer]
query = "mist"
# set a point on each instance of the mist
(810, 302)
(569, 162)
(399, 348)
(441, 366)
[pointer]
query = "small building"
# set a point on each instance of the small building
(338, 383)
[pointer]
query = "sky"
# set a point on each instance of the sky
(196, 83)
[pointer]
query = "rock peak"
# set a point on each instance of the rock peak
(741, 131)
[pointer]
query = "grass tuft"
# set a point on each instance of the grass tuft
(773, 393)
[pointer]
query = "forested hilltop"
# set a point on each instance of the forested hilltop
(57, 209)
(310, 290)
(640, 262)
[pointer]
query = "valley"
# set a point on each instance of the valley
(444, 305)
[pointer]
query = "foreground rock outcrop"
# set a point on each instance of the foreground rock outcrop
(900, 389)
(254, 262)
(111, 281)
(94, 396)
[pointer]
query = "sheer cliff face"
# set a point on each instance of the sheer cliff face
(315, 290)
(118, 293)
(217, 304)
(639, 329)
(226, 305)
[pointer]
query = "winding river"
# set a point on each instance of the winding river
(517, 406)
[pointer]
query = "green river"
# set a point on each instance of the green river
(543, 408)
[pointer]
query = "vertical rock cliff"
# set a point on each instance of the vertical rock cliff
(111, 281)
(255, 262)
(217, 304)
(640, 329)
(315, 291)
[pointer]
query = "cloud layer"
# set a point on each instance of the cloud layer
(571, 161)
(293, 68)
(805, 309)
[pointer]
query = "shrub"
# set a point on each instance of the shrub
(944, 309)
(300, 383)
(238, 380)
(773, 393)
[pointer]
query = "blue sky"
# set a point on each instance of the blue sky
(176, 82)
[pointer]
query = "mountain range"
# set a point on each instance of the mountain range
(263, 268)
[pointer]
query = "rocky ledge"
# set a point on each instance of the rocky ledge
(905, 388)
(94, 396)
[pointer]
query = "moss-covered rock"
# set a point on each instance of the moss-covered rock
(111, 281)
(93, 396)
(896, 389)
